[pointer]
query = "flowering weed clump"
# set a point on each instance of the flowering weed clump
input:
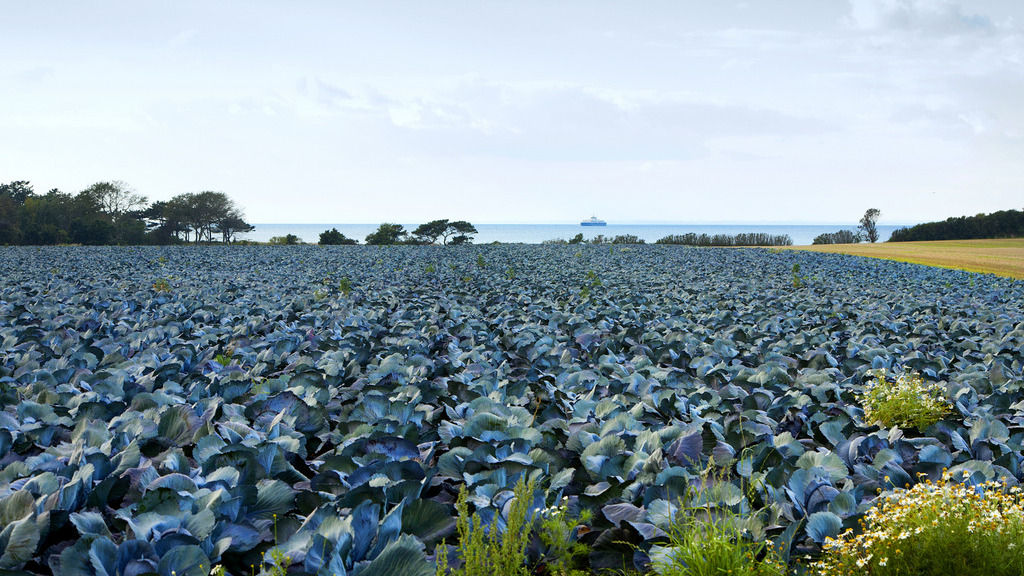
(936, 529)
(906, 401)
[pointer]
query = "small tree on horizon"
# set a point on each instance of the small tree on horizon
(458, 231)
(116, 199)
(334, 238)
(867, 224)
(429, 233)
(121, 205)
(462, 232)
(198, 216)
(387, 234)
(231, 225)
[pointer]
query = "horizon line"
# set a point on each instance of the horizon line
(575, 223)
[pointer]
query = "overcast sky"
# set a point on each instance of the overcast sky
(524, 111)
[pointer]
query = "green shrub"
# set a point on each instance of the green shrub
(907, 401)
(287, 240)
(840, 237)
(939, 529)
(334, 238)
(627, 239)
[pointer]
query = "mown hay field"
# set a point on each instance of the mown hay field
(1003, 257)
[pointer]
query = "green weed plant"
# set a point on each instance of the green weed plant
(592, 282)
(345, 285)
(279, 561)
(708, 539)
(485, 552)
(799, 280)
(563, 553)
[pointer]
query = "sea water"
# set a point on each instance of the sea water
(802, 234)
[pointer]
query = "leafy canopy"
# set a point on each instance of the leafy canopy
(334, 238)
(387, 234)
(868, 224)
(457, 232)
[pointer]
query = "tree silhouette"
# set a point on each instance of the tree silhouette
(867, 224)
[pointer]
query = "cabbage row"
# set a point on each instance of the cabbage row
(177, 408)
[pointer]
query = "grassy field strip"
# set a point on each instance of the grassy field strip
(1003, 257)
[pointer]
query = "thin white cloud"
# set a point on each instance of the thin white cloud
(560, 122)
(929, 16)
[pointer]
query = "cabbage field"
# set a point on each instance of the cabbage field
(173, 409)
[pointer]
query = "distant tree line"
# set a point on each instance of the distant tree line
(599, 239)
(840, 237)
(742, 239)
(689, 239)
(197, 217)
(446, 231)
(866, 230)
(1001, 224)
(113, 213)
